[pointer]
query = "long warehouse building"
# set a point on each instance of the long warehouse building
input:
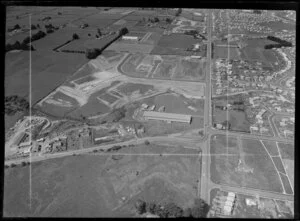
(154, 115)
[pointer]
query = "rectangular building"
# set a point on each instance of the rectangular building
(130, 37)
(170, 117)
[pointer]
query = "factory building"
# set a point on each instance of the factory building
(124, 37)
(170, 117)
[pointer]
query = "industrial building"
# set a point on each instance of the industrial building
(124, 37)
(170, 117)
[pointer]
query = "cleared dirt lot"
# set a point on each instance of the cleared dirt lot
(87, 186)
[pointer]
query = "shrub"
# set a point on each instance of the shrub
(17, 26)
(75, 36)
(13, 165)
(147, 142)
(92, 53)
(140, 206)
(33, 27)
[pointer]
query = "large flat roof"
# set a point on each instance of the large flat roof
(167, 116)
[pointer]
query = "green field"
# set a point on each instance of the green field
(58, 110)
(131, 47)
(93, 186)
(130, 88)
(287, 151)
(226, 169)
(225, 52)
(278, 164)
(108, 97)
(271, 147)
(190, 69)
(164, 70)
(84, 42)
(48, 71)
(286, 184)
(175, 103)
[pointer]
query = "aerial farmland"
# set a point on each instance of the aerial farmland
(149, 112)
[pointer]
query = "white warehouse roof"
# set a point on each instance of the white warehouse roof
(154, 115)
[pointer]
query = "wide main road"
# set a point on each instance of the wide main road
(205, 173)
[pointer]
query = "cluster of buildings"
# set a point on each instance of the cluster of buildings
(285, 126)
(118, 132)
(223, 206)
(58, 144)
(242, 20)
(261, 125)
(238, 75)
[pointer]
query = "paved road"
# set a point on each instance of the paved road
(205, 173)
(102, 147)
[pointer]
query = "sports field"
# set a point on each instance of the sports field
(241, 166)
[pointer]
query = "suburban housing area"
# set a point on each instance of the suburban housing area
(149, 112)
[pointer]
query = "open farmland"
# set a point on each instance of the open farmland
(57, 185)
(84, 42)
(253, 49)
(242, 167)
(175, 103)
(175, 44)
(48, 71)
(131, 47)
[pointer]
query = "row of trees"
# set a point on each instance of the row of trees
(16, 27)
(280, 43)
(179, 11)
(18, 46)
(198, 210)
(14, 104)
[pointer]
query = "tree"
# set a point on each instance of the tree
(140, 206)
(75, 36)
(187, 212)
(49, 31)
(17, 26)
(156, 19)
(123, 31)
(33, 27)
(151, 207)
(200, 208)
(99, 32)
(178, 12)
(38, 26)
(92, 53)
(168, 20)
(172, 210)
